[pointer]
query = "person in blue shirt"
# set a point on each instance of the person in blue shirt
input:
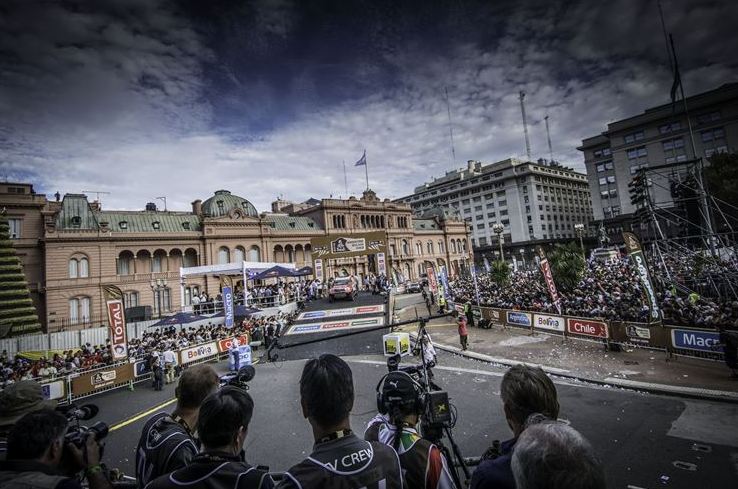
(524, 391)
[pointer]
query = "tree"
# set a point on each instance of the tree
(500, 272)
(567, 265)
(17, 313)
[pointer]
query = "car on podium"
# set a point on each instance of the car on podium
(342, 288)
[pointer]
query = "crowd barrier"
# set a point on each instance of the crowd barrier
(675, 340)
(79, 385)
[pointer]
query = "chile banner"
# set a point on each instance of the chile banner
(116, 321)
(548, 277)
(635, 252)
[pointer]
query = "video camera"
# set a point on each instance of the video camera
(76, 433)
(239, 379)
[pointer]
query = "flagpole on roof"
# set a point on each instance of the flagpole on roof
(366, 170)
(345, 180)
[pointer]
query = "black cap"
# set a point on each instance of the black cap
(398, 387)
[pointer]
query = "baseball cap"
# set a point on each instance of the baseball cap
(398, 387)
(21, 398)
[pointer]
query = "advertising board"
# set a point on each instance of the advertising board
(638, 335)
(101, 379)
(225, 345)
(519, 318)
(586, 327)
(117, 324)
(198, 352)
(692, 339)
(244, 357)
(54, 390)
(549, 323)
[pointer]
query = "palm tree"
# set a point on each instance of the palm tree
(500, 272)
(567, 265)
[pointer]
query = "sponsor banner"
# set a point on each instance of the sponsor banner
(381, 264)
(141, 368)
(318, 269)
(101, 379)
(336, 325)
(345, 246)
(445, 290)
(198, 352)
(633, 246)
(54, 390)
(225, 345)
(548, 277)
(692, 339)
(549, 323)
(345, 311)
(638, 335)
(585, 327)
(117, 325)
(432, 283)
(243, 353)
(519, 318)
(228, 306)
(494, 316)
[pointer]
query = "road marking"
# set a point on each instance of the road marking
(138, 416)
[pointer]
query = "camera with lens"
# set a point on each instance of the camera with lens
(78, 434)
(239, 379)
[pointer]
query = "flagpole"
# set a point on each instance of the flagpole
(345, 180)
(366, 169)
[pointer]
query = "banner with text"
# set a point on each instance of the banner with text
(199, 352)
(116, 321)
(432, 283)
(381, 264)
(548, 277)
(635, 252)
(318, 269)
(346, 246)
(102, 379)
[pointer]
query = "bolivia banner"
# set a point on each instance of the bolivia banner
(635, 252)
(548, 277)
(116, 321)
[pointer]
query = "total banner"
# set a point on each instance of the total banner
(189, 355)
(586, 327)
(548, 277)
(381, 264)
(318, 269)
(635, 252)
(432, 282)
(101, 379)
(550, 323)
(116, 321)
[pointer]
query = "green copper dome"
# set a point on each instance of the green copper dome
(223, 202)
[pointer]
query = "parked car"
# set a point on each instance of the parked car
(412, 288)
(342, 288)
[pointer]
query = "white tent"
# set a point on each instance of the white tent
(243, 268)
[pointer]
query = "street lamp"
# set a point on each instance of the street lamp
(579, 228)
(157, 286)
(522, 256)
(498, 228)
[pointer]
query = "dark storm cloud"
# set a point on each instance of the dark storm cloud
(268, 97)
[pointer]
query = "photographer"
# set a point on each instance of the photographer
(36, 446)
(339, 459)
(400, 405)
(17, 400)
(168, 442)
(524, 391)
(223, 424)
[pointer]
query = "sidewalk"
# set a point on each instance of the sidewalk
(636, 368)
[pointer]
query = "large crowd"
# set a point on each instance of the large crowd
(607, 290)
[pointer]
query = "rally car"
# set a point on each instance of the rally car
(342, 288)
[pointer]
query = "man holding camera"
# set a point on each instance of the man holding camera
(401, 403)
(223, 423)
(17, 400)
(524, 391)
(167, 441)
(339, 459)
(39, 456)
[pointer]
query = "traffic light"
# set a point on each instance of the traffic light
(637, 190)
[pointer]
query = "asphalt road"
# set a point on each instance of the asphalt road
(645, 440)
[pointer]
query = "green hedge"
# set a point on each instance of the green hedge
(17, 311)
(13, 303)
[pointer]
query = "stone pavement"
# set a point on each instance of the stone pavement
(635, 368)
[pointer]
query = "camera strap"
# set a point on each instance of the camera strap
(178, 419)
(335, 436)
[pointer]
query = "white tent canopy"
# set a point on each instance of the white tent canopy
(243, 268)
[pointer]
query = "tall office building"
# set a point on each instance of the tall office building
(535, 202)
(657, 140)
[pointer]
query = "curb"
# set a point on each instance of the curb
(663, 389)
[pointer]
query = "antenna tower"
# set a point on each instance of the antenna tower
(450, 128)
(548, 136)
(525, 124)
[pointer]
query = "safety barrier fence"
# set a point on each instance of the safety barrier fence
(675, 340)
(79, 385)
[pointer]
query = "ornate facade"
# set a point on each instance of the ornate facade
(70, 246)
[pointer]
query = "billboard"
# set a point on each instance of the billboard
(518, 318)
(585, 327)
(549, 323)
(692, 339)
(348, 245)
(198, 352)
(117, 324)
(101, 379)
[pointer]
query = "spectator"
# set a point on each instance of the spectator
(552, 455)
(16, 401)
(167, 441)
(524, 391)
(463, 333)
(327, 397)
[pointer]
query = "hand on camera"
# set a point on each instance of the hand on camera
(87, 456)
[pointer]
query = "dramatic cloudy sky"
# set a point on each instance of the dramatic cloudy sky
(144, 98)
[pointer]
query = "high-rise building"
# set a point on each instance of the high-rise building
(532, 201)
(659, 141)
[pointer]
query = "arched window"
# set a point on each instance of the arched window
(405, 247)
(254, 253)
(79, 310)
(83, 267)
(419, 248)
(73, 310)
(156, 263)
(125, 260)
(73, 268)
(441, 248)
(239, 254)
(224, 255)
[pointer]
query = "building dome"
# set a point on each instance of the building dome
(223, 202)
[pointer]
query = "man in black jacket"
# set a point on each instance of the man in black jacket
(223, 423)
(339, 459)
(167, 441)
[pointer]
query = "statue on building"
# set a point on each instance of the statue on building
(603, 238)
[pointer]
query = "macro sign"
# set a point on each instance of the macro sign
(692, 339)
(585, 327)
(518, 318)
(228, 306)
(550, 323)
